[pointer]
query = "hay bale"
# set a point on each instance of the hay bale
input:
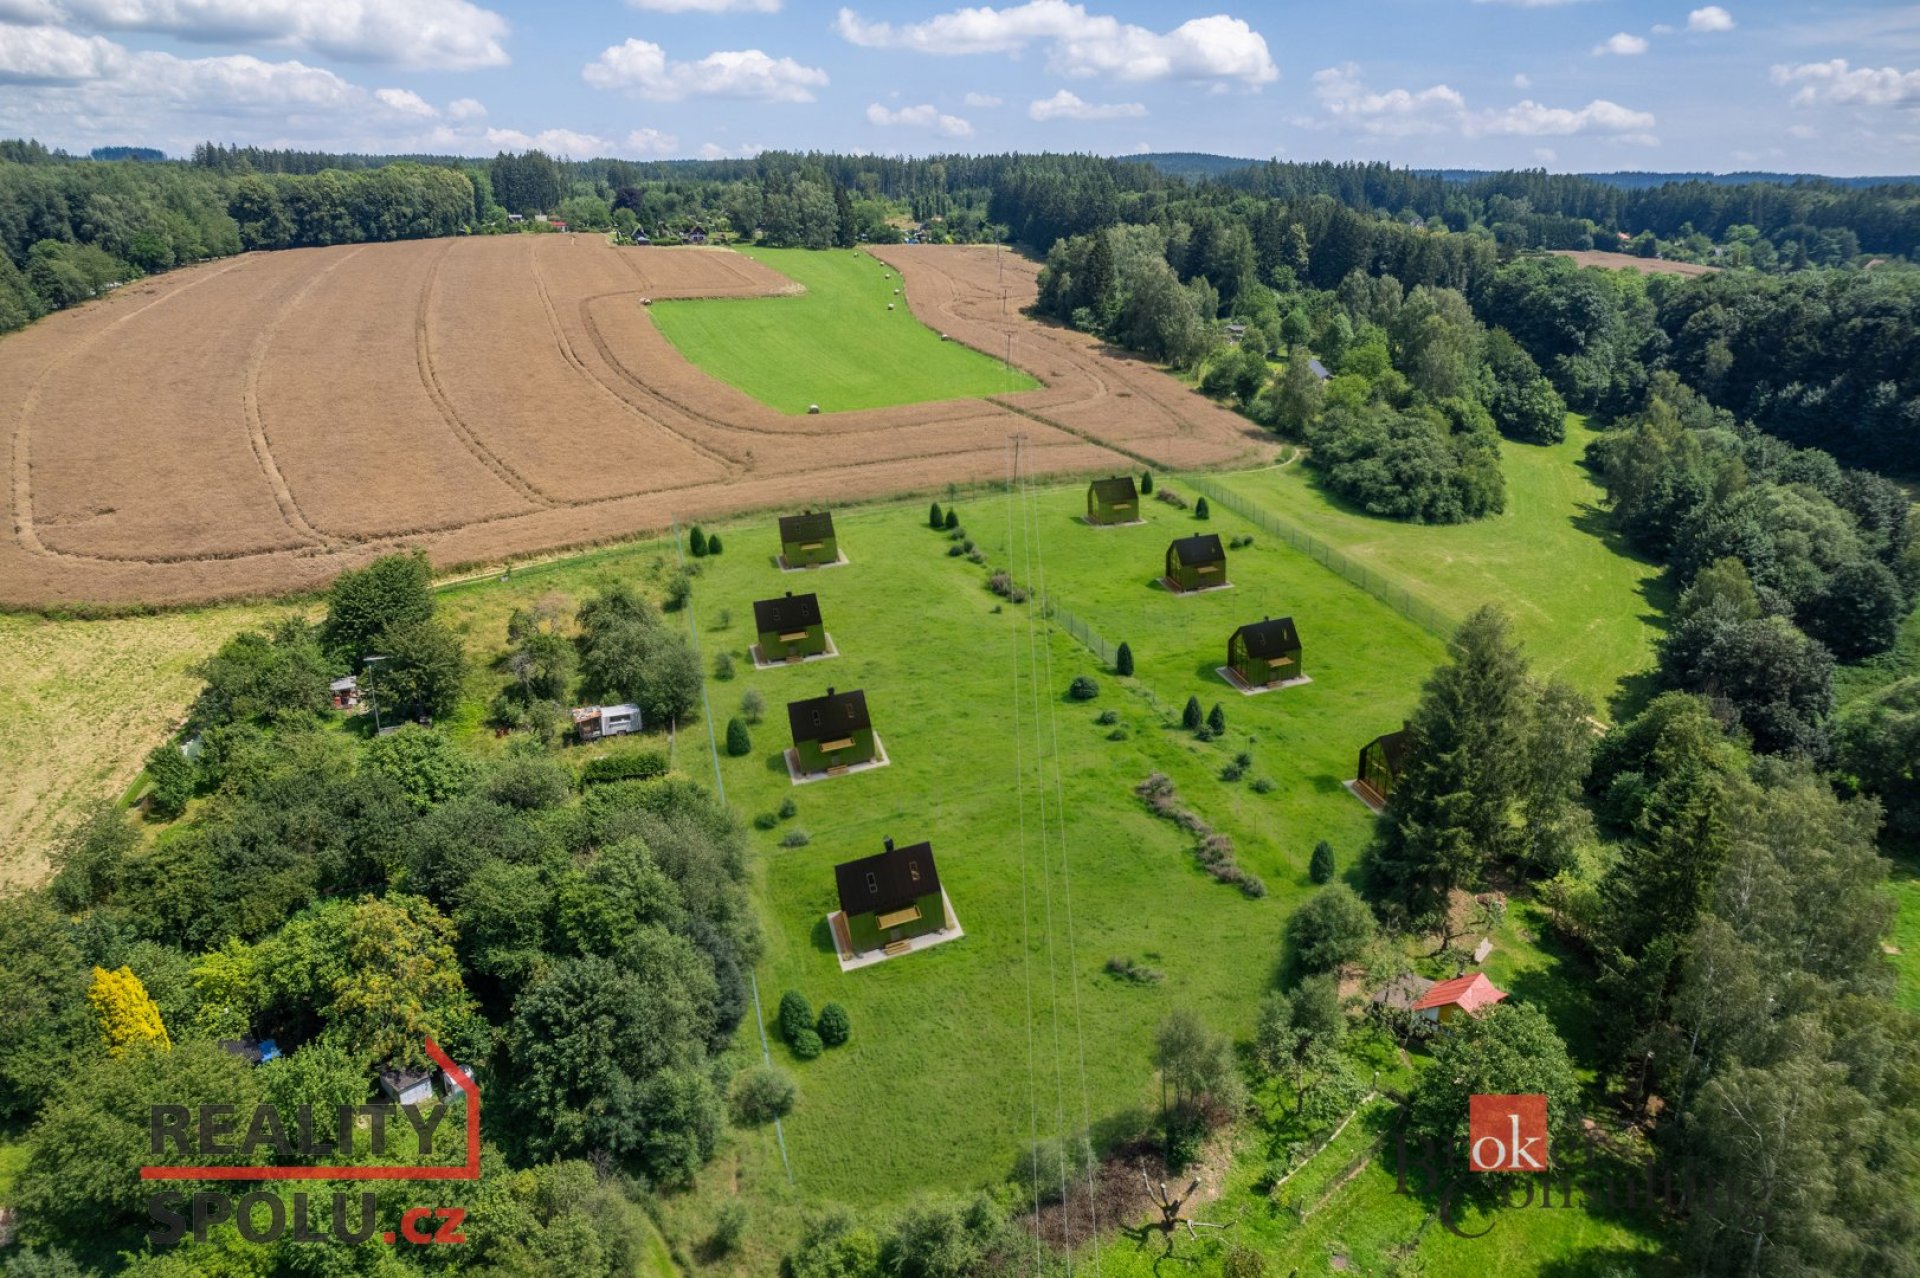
(813, 408)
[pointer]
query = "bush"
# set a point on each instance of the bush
(739, 742)
(1333, 927)
(934, 517)
(171, 775)
(1263, 785)
(788, 808)
(729, 1226)
(806, 1044)
(1200, 510)
(956, 550)
(753, 706)
(977, 557)
(834, 1026)
(713, 544)
(723, 665)
(697, 542)
(1083, 688)
(1191, 718)
(1146, 481)
(1123, 661)
(795, 838)
(953, 519)
(678, 589)
(796, 1014)
(1119, 734)
(1107, 718)
(624, 765)
(1320, 869)
(1128, 970)
(1217, 719)
(762, 1094)
(766, 821)
(725, 617)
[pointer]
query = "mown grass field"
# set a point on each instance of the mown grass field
(1587, 607)
(836, 345)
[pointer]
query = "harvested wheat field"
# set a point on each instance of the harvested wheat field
(250, 427)
(1626, 262)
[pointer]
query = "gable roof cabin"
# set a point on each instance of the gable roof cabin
(889, 898)
(1197, 562)
(1461, 996)
(807, 539)
(1319, 369)
(1113, 501)
(1264, 652)
(831, 732)
(1382, 760)
(788, 627)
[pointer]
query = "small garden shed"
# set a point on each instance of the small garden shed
(789, 627)
(831, 732)
(1265, 652)
(595, 722)
(807, 540)
(1113, 501)
(1198, 562)
(1461, 996)
(1382, 760)
(889, 898)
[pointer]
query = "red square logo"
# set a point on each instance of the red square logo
(1507, 1133)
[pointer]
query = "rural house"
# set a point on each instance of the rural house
(1318, 369)
(345, 692)
(1265, 653)
(789, 627)
(1196, 563)
(1462, 996)
(595, 722)
(807, 540)
(1113, 501)
(888, 899)
(831, 733)
(1382, 760)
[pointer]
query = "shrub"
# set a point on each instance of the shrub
(796, 1014)
(959, 534)
(765, 821)
(1263, 785)
(761, 1094)
(723, 665)
(1119, 734)
(1320, 868)
(934, 518)
(977, 557)
(788, 808)
(679, 589)
(624, 765)
(834, 1026)
(1190, 718)
(752, 705)
(725, 617)
(956, 550)
(172, 776)
(953, 519)
(1332, 928)
(739, 742)
(1083, 688)
(729, 1226)
(1200, 510)
(1123, 661)
(1233, 771)
(806, 1044)
(1106, 718)
(713, 544)
(1146, 481)
(1138, 974)
(1203, 733)
(795, 838)
(1001, 583)
(1217, 719)
(697, 542)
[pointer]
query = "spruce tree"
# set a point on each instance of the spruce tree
(1191, 717)
(1123, 661)
(1200, 509)
(953, 519)
(713, 544)
(1321, 868)
(697, 542)
(934, 518)
(738, 740)
(1146, 482)
(1217, 719)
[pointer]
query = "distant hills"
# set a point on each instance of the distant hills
(1194, 165)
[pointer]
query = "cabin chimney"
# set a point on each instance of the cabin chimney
(829, 690)
(888, 842)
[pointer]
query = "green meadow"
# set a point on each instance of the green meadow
(836, 345)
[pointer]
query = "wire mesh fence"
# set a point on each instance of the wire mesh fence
(1387, 591)
(1087, 636)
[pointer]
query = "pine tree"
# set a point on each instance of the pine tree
(128, 1015)
(1123, 661)
(713, 544)
(934, 518)
(1321, 868)
(1146, 482)
(1200, 510)
(738, 741)
(953, 519)
(1191, 718)
(697, 542)
(1217, 719)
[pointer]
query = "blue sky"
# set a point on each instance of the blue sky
(1575, 85)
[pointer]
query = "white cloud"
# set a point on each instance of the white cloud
(406, 102)
(51, 55)
(28, 13)
(1836, 81)
(1081, 44)
(1068, 106)
(1710, 18)
(642, 68)
(1545, 154)
(1522, 80)
(446, 35)
(1802, 131)
(714, 151)
(982, 100)
(651, 142)
(1663, 28)
(1621, 45)
(920, 117)
(1442, 109)
(579, 146)
(466, 109)
(707, 6)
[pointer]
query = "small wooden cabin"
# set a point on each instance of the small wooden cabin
(1383, 760)
(789, 627)
(891, 897)
(1462, 996)
(1265, 653)
(1113, 501)
(344, 692)
(807, 540)
(1198, 562)
(831, 732)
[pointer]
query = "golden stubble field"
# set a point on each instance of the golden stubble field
(248, 428)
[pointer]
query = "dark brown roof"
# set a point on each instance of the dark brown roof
(1120, 489)
(1201, 548)
(887, 880)
(1397, 746)
(788, 612)
(1270, 638)
(824, 718)
(814, 525)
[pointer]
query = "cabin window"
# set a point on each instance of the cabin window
(913, 870)
(873, 884)
(816, 718)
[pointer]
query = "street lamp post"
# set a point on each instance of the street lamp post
(368, 662)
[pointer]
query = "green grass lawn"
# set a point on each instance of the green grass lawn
(836, 345)
(1587, 607)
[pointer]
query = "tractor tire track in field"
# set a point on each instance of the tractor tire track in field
(22, 469)
(283, 497)
(468, 437)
